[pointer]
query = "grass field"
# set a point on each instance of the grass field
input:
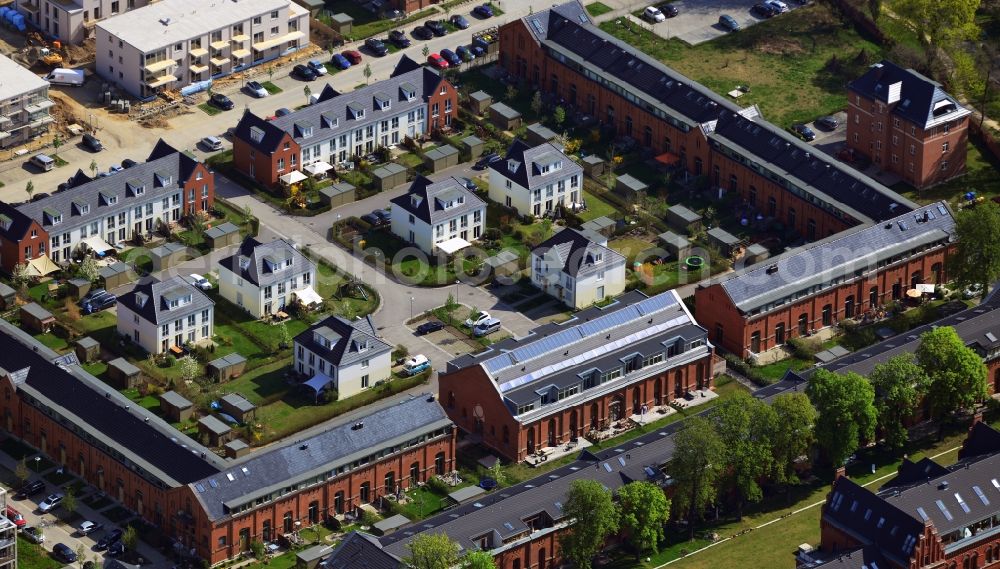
(211, 110)
(981, 176)
(271, 88)
(796, 65)
(596, 9)
(596, 207)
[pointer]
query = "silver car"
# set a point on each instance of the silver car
(256, 89)
(212, 143)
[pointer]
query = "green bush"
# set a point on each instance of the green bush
(438, 486)
(747, 370)
(804, 348)
(169, 361)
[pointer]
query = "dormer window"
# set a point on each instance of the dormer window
(136, 187)
(329, 121)
(598, 257)
(381, 101)
(409, 91)
(304, 129)
(357, 111)
(163, 179)
(109, 198)
(55, 218)
(288, 262)
(82, 208)
(256, 134)
(513, 165)
(461, 199)
(5, 222)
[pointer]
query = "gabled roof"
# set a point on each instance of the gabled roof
(527, 161)
(150, 299)
(873, 521)
(360, 550)
(916, 98)
(271, 135)
(254, 259)
(571, 250)
(425, 199)
(14, 225)
(345, 336)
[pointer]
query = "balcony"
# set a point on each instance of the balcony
(154, 82)
(198, 68)
(160, 65)
(219, 45)
(39, 106)
(240, 38)
(241, 53)
(42, 121)
(219, 61)
(198, 52)
(30, 6)
(290, 36)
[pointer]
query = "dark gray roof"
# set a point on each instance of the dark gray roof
(271, 135)
(542, 131)
(723, 236)
(472, 140)
(593, 159)
(175, 399)
(576, 253)
(239, 402)
(236, 444)
(441, 152)
(480, 96)
(277, 467)
(674, 239)
(863, 558)
(632, 183)
(345, 336)
(599, 223)
(124, 366)
(214, 425)
(873, 521)
(151, 298)
(167, 249)
(426, 200)
(114, 269)
(255, 261)
(226, 361)
(756, 249)
(36, 311)
(921, 101)
(337, 189)
(87, 342)
(139, 440)
(6, 290)
(837, 257)
(14, 225)
(221, 230)
(528, 161)
(361, 551)
(505, 111)
(388, 170)
(684, 213)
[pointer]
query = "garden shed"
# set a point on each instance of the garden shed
(389, 176)
(630, 187)
(214, 431)
(36, 319)
(505, 263)
(87, 350)
(756, 253)
(237, 407)
(78, 288)
(222, 235)
(7, 296)
(337, 194)
(683, 219)
(168, 255)
(479, 102)
(237, 448)
(343, 23)
(603, 225)
(176, 408)
(310, 557)
(122, 374)
(227, 367)
(677, 245)
(314, 6)
(727, 243)
(442, 157)
(593, 166)
(538, 133)
(472, 147)
(117, 275)
(504, 117)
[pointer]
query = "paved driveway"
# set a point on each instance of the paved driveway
(698, 20)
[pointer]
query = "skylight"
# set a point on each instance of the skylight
(944, 510)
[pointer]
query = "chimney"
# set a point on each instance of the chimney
(976, 418)
(840, 473)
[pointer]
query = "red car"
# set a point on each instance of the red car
(437, 61)
(353, 56)
(15, 517)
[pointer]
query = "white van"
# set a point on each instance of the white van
(416, 364)
(43, 161)
(486, 327)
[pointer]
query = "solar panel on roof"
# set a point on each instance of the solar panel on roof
(537, 25)
(991, 337)
(942, 210)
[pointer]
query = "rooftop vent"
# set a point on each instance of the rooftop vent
(358, 425)
(772, 269)
(304, 446)
(165, 21)
(943, 485)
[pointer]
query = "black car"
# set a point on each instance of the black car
(422, 33)
(486, 160)
(100, 303)
(436, 27)
(763, 10)
(115, 549)
(804, 132)
(399, 39)
(64, 552)
(91, 142)
(669, 10)
(376, 46)
(385, 216)
(428, 327)
(371, 219)
(109, 538)
(221, 101)
(304, 72)
(128, 163)
(30, 489)
(827, 123)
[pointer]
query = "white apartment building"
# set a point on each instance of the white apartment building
(535, 180)
(577, 268)
(159, 315)
(72, 21)
(349, 354)
(174, 43)
(438, 215)
(264, 278)
(24, 104)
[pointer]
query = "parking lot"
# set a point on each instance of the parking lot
(697, 21)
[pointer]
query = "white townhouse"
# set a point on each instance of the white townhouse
(72, 21)
(264, 278)
(577, 269)
(535, 180)
(347, 354)
(441, 215)
(159, 315)
(24, 104)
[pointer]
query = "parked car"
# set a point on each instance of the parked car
(64, 552)
(762, 10)
(128, 163)
(778, 5)
(117, 548)
(451, 57)
(483, 11)
(31, 488)
(114, 169)
(437, 61)
(371, 219)
(92, 294)
(422, 33)
(436, 27)
(384, 216)
(317, 67)
(352, 55)
(256, 89)
(486, 328)
(212, 143)
(486, 160)
(221, 101)
(304, 72)
(43, 162)
(200, 282)
(376, 46)
(459, 21)
(340, 61)
(88, 527)
(51, 502)
(282, 112)
(33, 534)
(669, 10)
(653, 14)
(465, 53)
(92, 143)
(827, 123)
(15, 517)
(483, 316)
(399, 39)
(109, 538)
(804, 132)
(469, 184)
(100, 304)
(416, 364)
(729, 23)
(428, 327)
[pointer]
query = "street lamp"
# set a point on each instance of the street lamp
(411, 307)
(38, 460)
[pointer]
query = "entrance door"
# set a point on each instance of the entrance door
(572, 424)
(552, 433)
(615, 408)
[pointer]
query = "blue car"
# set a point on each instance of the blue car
(451, 57)
(478, 50)
(459, 21)
(465, 53)
(483, 11)
(340, 61)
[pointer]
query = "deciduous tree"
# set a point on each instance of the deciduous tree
(21, 472)
(846, 406)
(744, 425)
(432, 551)
(899, 384)
(699, 457)
(645, 510)
(977, 257)
(478, 560)
(536, 103)
(956, 374)
(793, 435)
(596, 517)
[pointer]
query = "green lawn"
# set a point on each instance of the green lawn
(596, 207)
(412, 265)
(365, 23)
(796, 65)
(211, 110)
(595, 9)
(52, 341)
(630, 247)
(271, 88)
(259, 384)
(32, 556)
(423, 503)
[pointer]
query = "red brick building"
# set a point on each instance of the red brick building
(815, 287)
(560, 51)
(928, 516)
(22, 239)
(212, 506)
(907, 125)
(566, 380)
(340, 127)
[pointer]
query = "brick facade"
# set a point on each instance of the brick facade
(15, 250)
(199, 190)
(264, 167)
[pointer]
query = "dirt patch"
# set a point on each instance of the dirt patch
(82, 54)
(780, 46)
(63, 111)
